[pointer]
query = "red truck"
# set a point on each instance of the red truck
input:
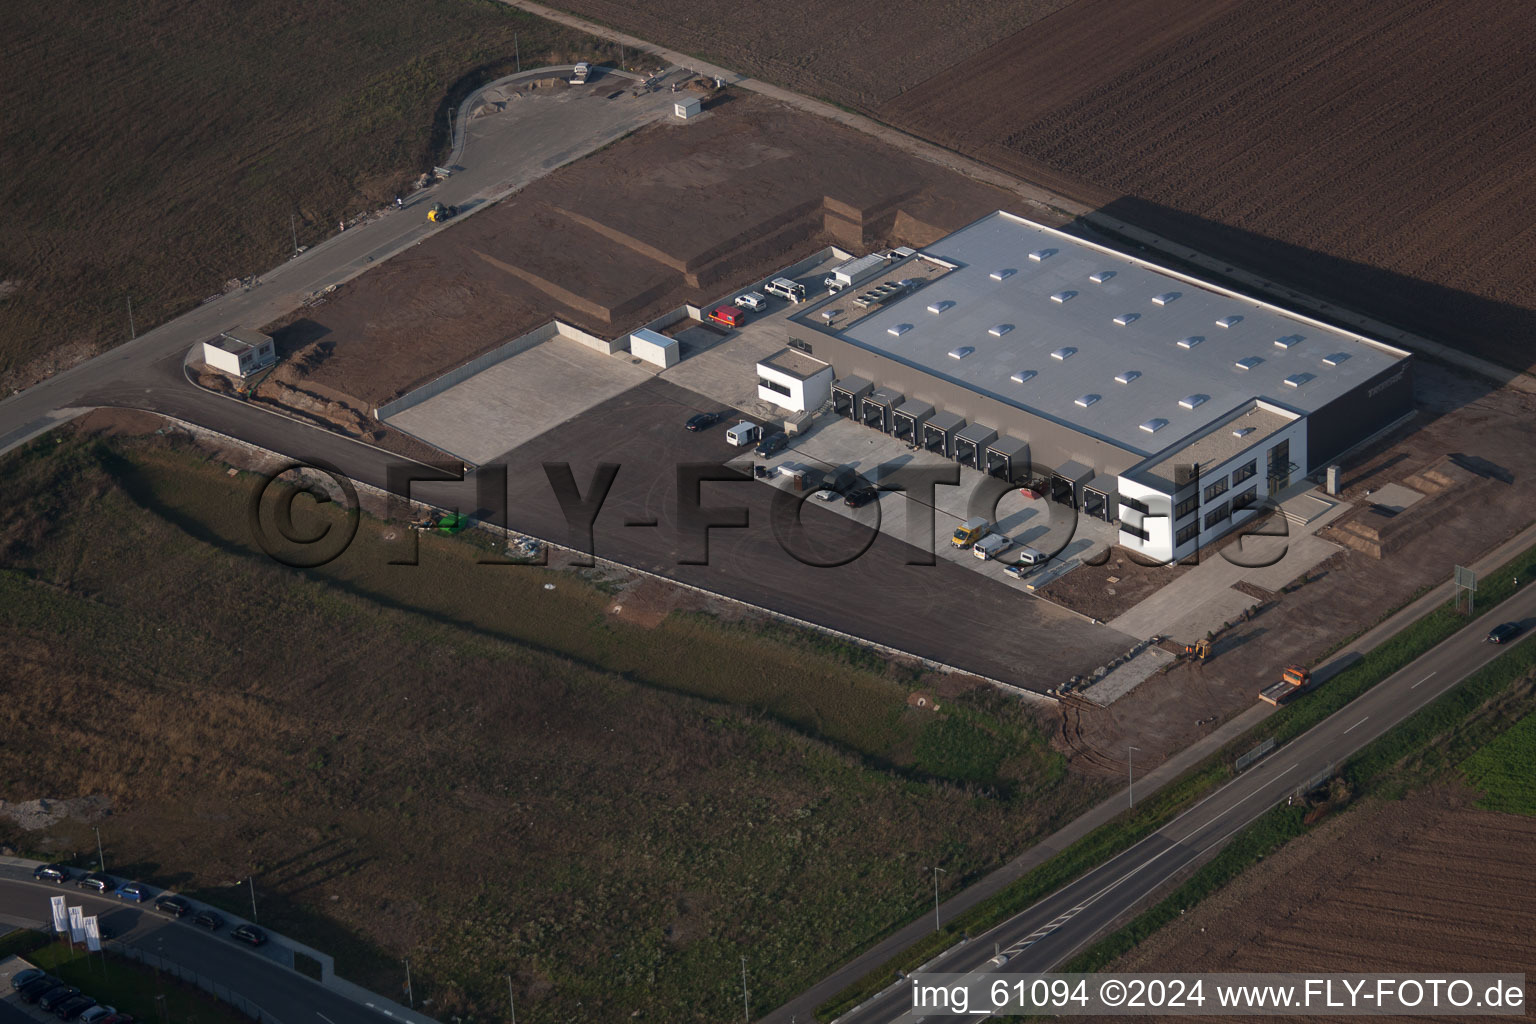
(730, 316)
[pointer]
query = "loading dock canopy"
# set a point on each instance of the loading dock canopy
(1075, 473)
(908, 419)
(971, 442)
(846, 394)
(940, 430)
(885, 397)
(875, 411)
(1008, 457)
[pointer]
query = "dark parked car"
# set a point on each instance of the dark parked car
(58, 874)
(31, 991)
(250, 934)
(861, 497)
(772, 445)
(702, 421)
(173, 905)
(208, 919)
(69, 1009)
(97, 882)
(57, 996)
(133, 892)
(1504, 633)
(26, 977)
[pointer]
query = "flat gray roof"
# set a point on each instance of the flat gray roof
(795, 364)
(1218, 444)
(1113, 342)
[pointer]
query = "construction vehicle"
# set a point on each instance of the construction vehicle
(440, 213)
(1294, 681)
(1199, 650)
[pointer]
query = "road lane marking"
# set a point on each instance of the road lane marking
(1415, 686)
(1352, 728)
(327, 1019)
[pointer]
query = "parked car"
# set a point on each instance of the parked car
(70, 1009)
(58, 874)
(133, 892)
(1503, 633)
(772, 445)
(26, 977)
(57, 996)
(95, 1014)
(755, 301)
(826, 494)
(30, 991)
(703, 421)
(861, 497)
(208, 919)
(250, 934)
(97, 882)
(173, 905)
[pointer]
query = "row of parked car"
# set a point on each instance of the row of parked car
(64, 1001)
(136, 892)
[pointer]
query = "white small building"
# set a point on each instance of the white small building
(794, 381)
(654, 348)
(240, 352)
(687, 108)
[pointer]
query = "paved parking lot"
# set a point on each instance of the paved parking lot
(939, 611)
(519, 398)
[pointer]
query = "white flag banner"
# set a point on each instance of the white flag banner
(92, 935)
(76, 924)
(60, 915)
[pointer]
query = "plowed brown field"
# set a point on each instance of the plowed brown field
(1426, 884)
(1380, 154)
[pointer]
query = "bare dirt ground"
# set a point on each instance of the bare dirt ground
(1459, 416)
(1429, 883)
(1105, 591)
(675, 213)
(1368, 152)
(856, 53)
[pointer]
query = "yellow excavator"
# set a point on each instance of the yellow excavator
(440, 213)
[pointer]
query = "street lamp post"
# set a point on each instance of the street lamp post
(101, 858)
(410, 995)
(251, 881)
(937, 871)
(510, 1004)
(1130, 775)
(746, 1006)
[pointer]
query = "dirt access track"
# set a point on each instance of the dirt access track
(1378, 155)
(1429, 883)
(677, 212)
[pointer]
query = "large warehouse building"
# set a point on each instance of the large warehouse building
(1139, 394)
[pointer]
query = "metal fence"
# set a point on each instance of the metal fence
(1254, 754)
(223, 993)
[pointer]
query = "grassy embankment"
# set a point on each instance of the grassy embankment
(1129, 828)
(155, 150)
(452, 763)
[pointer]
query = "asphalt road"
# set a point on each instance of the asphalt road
(1050, 932)
(286, 996)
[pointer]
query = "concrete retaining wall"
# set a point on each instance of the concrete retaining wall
(460, 374)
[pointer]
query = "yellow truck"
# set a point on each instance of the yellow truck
(970, 531)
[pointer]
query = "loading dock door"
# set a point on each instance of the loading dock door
(1061, 490)
(907, 421)
(971, 444)
(935, 439)
(940, 431)
(874, 415)
(847, 393)
(1096, 504)
(1008, 459)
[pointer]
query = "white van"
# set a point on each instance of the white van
(744, 433)
(751, 300)
(990, 546)
(784, 288)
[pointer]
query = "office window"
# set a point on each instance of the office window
(1186, 535)
(1216, 489)
(1242, 473)
(1135, 531)
(1219, 514)
(1186, 506)
(772, 385)
(1133, 503)
(1245, 499)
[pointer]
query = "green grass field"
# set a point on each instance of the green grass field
(153, 150)
(450, 762)
(1505, 770)
(131, 987)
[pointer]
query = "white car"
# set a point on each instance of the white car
(755, 301)
(826, 495)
